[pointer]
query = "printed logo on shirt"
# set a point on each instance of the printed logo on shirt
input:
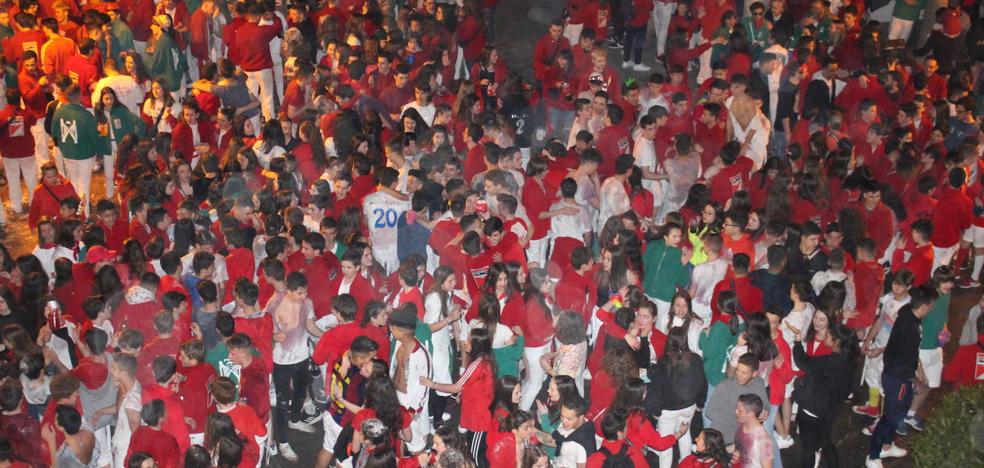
(15, 128)
(623, 145)
(74, 76)
(979, 367)
(117, 124)
(69, 129)
(736, 182)
(33, 46)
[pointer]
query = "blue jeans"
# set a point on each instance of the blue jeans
(703, 414)
(560, 122)
(898, 398)
(635, 40)
(770, 426)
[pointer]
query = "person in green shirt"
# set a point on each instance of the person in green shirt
(74, 130)
(5, 29)
(904, 15)
(162, 59)
(119, 30)
(114, 121)
(218, 355)
(757, 29)
(930, 349)
(717, 340)
(666, 269)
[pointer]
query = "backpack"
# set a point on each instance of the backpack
(617, 460)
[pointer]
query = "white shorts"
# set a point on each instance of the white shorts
(974, 235)
(332, 430)
(932, 364)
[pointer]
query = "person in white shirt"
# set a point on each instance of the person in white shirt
(707, 275)
(48, 250)
(128, 91)
(382, 210)
(422, 103)
(613, 197)
(581, 118)
(565, 225)
(410, 362)
(124, 371)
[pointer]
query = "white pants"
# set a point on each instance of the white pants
(104, 441)
(40, 144)
(661, 21)
(535, 252)
(670, 422)
(932, 364)
(573, 32)
(109, 171)
(260, 84)
(15, 168)
(943, 255)
(662, 314)
(534, 375)
(899, 29)
(420, 427)
(79, 173)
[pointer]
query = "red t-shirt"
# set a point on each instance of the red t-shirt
(198, 403)
(249, 426)
(163, 447)
(731, 179)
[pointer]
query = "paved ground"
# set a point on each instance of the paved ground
(520, 23)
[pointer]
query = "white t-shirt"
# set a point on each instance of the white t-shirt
(705, 277)
(571, 454)
(121, 436)
(573, 226)
(382, 211)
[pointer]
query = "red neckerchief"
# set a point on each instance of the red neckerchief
(721, 317)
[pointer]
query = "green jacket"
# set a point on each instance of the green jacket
(123, 35)
(123, 122)
(664, 272)
(166, 63)
(74, 131)
(714, 343)
(507, 358)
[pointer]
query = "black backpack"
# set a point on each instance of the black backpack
(617, 460)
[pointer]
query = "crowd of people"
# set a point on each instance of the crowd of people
(355, 214)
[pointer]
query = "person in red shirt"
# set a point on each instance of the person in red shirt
(408, 292)
(58, 49)
(47, 197)
(610, 81)
(252, 48)
(750, 298)
(151, 439)
(114, 228)
(83, 71)
(254, 378)
(576, 290)
(615, 446)
(548, 48)
(869, 277)
(249, 318)
(194, 388)
(310, 260)
(185, 139)
(736, 240)
(965, 368)
(916, 256)
(35, 87)
(18, 146)
(297, 98)
(27, 38)
(165, 375)
(635, 35)
(730, 175)
(244, 418)
(614, 140)
(476, 384)
(349, 281)
(139, 228)
(240, 262)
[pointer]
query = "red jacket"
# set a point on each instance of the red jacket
(16, 138)
(174, 423)
(182, 138)
(478, 383)
(83, 72)
(471, 37)
(953, 214)
(140, 19)
(545, 54)
(198, 403)
(964, 369)
(163, 447)
(200, 34)
(252, 44)
(46, 200)
(229, 33)
(33, 94)
(920, 261)
(868, 280)
(749, 296)
(613, 141)
(359, 289)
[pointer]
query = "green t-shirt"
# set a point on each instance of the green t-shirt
(74, 131)
(904, 11)
(933, 323)
(218, 357)
(715, 344)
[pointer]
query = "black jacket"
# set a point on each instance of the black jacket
(826, 384)
(681, 386)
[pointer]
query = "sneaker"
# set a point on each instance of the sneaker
(914, 422)
(626, 64)
(870, 411)
(869, 429)
(313, 418)
(902, 430)
(784, 442)
(301, 426)
(869, 463)
(894, 452)
(287, 452)
(967, 282)
(641, 68)
(614, 43)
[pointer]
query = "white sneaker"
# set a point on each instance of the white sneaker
(640, 67)
(869, 463)
(784, 442)
(287, 452)
(626, 64)
(894, 452)
(301, 426)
